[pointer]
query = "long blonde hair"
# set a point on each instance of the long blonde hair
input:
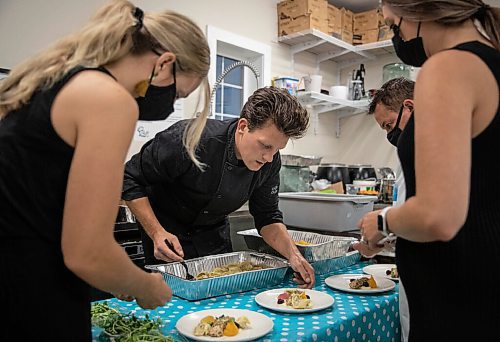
(112, 33)
(450, 12)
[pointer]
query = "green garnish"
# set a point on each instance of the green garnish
(120, 327)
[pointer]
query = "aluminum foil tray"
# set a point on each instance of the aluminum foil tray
(175, 275)
(323, 246)
(332, 265)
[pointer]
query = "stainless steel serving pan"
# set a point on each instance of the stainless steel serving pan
(322, 246)
(175, 275)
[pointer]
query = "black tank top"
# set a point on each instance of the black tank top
(34, 167)
(450, 284)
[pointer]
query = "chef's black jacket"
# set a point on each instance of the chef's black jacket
(194, 204)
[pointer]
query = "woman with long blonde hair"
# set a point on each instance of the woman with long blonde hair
(449, 227)
(67, 119)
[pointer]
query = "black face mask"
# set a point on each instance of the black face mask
(393, 135)
(410, 52)
(158, 102)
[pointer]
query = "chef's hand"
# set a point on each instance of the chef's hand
(369, 230)
(162, 251)
(157, 293)
(363, 248)
(303, 271)
(126, 298)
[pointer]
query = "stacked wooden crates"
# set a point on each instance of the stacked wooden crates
(353, 28)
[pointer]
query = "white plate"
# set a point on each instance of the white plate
(260, 324)
(341, 282)
(269, 300)
(378, 270)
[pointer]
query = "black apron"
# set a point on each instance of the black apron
(208, 234)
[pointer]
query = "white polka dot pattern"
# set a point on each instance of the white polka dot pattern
(352, 317)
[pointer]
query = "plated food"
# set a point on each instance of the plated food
(221, 326)
(294, 300)
(357, 283)
(389, 271)
(363, 283)
(233, 268)
(393, 272)
(259, 326)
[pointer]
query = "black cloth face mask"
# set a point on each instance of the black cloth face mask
(393, 135)
(410, 52)
(158, 102)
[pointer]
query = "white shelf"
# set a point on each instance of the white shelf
(330, 48)
(319, 103)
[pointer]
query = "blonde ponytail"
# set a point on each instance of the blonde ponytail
(194, 129)
(112, 33)
(105, 38)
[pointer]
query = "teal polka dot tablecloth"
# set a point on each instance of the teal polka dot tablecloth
(352, 317)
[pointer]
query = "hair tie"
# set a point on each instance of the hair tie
(139, 15)
(481, 12)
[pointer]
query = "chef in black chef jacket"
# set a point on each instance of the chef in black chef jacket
(174, 200)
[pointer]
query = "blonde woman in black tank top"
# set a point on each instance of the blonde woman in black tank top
(67, 117)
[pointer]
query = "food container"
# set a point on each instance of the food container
(331, 265)
(325, 212)
(322, 246)
(365, 185)
(175, 275)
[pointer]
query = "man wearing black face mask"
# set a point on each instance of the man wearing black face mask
(392, 107)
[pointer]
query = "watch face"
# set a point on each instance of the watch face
(380, 221)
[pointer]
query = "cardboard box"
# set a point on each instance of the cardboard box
(297, 8)
(305, 22)
(385, 33)
(334, 20)
(365, 21)
(365, 37)
(347, 36)
(347, 18)
(381, 20)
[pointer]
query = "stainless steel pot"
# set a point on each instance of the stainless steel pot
(361, 171)
(385, 172)
(333, 173)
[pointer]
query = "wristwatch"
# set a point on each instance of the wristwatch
(383, 227)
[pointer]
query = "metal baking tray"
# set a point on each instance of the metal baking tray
(323, 246)
(175, 275)
(330, 265)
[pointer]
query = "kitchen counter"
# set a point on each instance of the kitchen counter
(352, 317)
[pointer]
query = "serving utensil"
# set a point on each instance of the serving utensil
(183, 263)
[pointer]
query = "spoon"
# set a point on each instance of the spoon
(183, 263)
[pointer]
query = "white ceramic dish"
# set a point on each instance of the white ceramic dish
(379, 270)
(260, 325)
(269, 300)
(341, 282)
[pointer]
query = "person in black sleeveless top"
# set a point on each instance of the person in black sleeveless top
(448, 245)
(67, 119)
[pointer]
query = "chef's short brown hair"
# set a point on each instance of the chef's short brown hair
(392, 94)
(278, 106)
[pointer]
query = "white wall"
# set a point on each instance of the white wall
(26, 26)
